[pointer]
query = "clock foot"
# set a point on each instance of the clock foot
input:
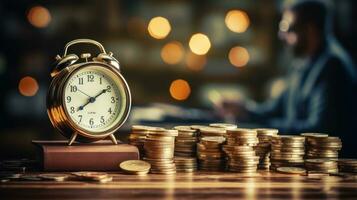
(113, 139)
(72, 139)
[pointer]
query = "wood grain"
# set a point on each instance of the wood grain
(200, 185)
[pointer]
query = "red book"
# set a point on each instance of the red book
(98, 156)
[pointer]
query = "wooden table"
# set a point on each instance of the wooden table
(200, 185)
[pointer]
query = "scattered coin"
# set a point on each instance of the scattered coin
(54, 177)
(291, 170)
(92, 176)
(135, 167)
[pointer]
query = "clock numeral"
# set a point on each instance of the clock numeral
(113, 100)
(102, 119)
(90, 78)
(91, 121)
(80, 118)
(69, 99)
(73, 88)
(72, 110)
(100, 80)
(109, 88)
(80, 81)
(110, 111)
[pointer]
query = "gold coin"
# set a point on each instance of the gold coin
(291, 170)
(224, 125)
(314, 134)
(54, 177)
(135, 166)
(90, 175)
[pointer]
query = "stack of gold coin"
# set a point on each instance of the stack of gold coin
(159, 149)
(138, 167)
(240, 151)
(321, 165)
(321, 145)
(263, 147)
(347, 165)
(137, 137)
(186, 164)
(287, 151)
(185, 142)
(209, 153)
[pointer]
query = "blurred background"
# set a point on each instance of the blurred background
(179, 57)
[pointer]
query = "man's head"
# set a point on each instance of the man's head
(305, 25)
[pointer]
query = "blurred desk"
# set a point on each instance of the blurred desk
(263, 185)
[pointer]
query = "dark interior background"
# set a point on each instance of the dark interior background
(28, 48)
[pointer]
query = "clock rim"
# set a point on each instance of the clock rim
(59, 99)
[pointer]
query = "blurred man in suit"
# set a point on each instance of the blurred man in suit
(321, 92)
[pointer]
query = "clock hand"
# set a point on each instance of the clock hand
(91, 100)
(83, 93)
(102, 92)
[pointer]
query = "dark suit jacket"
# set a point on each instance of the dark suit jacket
(320, 97)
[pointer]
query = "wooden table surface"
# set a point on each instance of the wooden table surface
(200, 185)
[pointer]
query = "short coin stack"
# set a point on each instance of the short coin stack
(240, 152)
(287, 151)
(321, 145)
(263, 148)
(209, 153)
(159, 149)
(321, 165)
(347, 165)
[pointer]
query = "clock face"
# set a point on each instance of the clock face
(95, 99)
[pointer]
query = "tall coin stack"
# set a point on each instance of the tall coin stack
(209, 153)
(263, 148)
(287, 151)
(186, 149)
(159, 149)
(240, 152)
(321, 145)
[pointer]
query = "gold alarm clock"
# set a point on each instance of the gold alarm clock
(88, 100)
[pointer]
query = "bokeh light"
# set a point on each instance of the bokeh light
(238, 56)
(28, 86)
(180, 89)
(172, 53)
(237, 21)
(199, 44)
(39, 16)
(159, 27)
(195, 62)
